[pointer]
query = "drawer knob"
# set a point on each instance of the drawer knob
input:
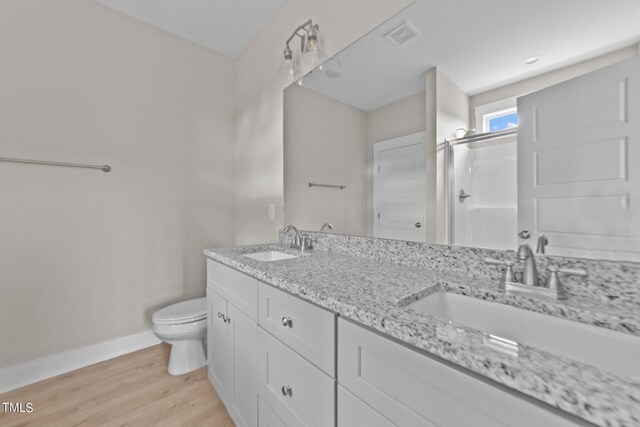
(287, 390)
(287, 321)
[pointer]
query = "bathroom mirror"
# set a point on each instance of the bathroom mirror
(489, 125)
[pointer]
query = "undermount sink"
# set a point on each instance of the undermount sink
(507, 326)
(268, 256)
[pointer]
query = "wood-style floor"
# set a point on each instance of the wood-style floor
(131, 390)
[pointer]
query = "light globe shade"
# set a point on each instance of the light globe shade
(313, 54)
(290, 68)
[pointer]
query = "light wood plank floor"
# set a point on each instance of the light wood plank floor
(131, 390)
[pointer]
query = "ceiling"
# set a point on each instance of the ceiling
(225, 26)
(479, 44)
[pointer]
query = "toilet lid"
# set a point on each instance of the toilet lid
(182, 312)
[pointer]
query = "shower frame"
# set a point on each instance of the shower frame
(449, 177)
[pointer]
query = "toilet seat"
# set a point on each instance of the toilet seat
(182, 312)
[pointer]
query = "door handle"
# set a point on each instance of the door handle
(418, 224)
(524, 234)
(462, 195)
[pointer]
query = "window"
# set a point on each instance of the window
(500, 120)
(496, 116)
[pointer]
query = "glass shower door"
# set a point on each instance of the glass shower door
(484, 196)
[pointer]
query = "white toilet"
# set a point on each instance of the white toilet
(184, 326)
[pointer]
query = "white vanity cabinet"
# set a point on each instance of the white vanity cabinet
(232, 335)
(237, 288)
(304, 327)
(267, 418)
(271, 355)
(296, 359)
(354, 412)
(277, 360)
(218, 352)
(408, 388)
(300, 394)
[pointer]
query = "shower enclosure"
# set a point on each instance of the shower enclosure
(483, 190)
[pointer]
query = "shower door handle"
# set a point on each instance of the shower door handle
(462, 195)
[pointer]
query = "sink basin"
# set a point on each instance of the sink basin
(268, 256)
(507, 326)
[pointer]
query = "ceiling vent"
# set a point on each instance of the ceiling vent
(403, 34)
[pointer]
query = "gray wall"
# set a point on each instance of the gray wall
(87, 256)
(324, 142)
(259, 98)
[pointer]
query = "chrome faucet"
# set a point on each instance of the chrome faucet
(299, 241)
(530, 284)
(529, 272)
(542, 243)
(295, 243)
(326, 225)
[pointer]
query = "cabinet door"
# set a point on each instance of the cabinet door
(266, 417)
(354, 412)
(243, 338)
(414, 390)
(300, 394)
(218, 347)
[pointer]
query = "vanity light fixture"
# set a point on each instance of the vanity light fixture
(291, 65)
(531, 60)
(310, 48)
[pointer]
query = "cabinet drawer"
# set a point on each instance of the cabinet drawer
(307, 329)
(266, 417)
(298, 393)
(354, 412)
(237, 288)
(412, 389)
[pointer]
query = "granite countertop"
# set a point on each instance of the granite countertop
(376, 294)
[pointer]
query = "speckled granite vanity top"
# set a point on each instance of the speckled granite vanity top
(376, 294)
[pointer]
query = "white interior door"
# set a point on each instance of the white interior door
(579, 164)
(399, 188)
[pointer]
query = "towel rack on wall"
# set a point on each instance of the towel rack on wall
(342, 187)
(103, 168)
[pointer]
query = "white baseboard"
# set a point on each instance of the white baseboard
(16, 376)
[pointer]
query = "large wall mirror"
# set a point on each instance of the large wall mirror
(487, 125)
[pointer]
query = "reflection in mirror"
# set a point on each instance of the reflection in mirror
(485, 126)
